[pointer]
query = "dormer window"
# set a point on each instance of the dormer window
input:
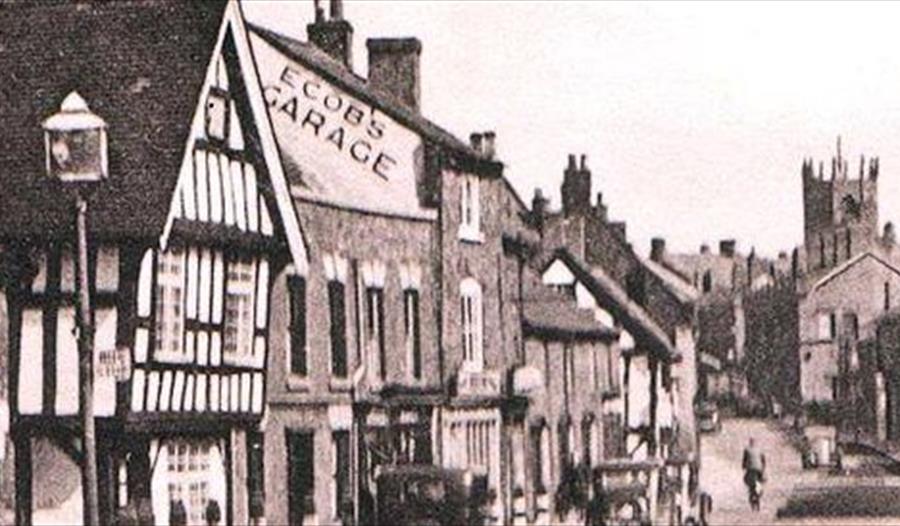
(470, 209)
(217, 115)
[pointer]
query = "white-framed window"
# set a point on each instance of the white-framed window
(189, 477)
(342, 493)
(478, 440)
(412, 330)
(375, 338)
(169, 329)
(239, 303)
(472, 329)
(540, 451)
(569, 362)
(827, 326)
(470, 208)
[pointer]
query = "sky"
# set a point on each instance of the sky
(695, 117)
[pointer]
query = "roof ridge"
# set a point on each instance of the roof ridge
(844, 266)
(360, 87)
(595, 278)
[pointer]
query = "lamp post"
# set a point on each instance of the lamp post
(75, 142)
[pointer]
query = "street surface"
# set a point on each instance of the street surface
(721, 476)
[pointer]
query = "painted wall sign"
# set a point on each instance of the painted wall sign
(333, 117)
(340, 148)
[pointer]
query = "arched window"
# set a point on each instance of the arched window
(471, 315)
(707, 281)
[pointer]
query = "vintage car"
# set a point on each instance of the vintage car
(708, 417)
(426, 495)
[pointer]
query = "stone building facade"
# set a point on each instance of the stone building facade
(657, 316)
(849, 275)
(422, 279)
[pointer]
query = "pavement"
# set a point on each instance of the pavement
(722, 477)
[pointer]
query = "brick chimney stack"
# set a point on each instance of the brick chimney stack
(394, 69)
(657, 249)
(576, 187)
(539, 208)
(333, 36)
(601, 208)
(727, 248)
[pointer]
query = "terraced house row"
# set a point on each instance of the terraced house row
(315, 287)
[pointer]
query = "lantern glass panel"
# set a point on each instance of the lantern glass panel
(77, 155)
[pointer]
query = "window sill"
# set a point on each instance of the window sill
(174, 358)
(298, 383)
(542, 502)
(611, 394)
(471, 367)
(468, 235)
(411, 381)
(242, 361)
(340, 385)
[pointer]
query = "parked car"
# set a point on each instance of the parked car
(708, 417)
(425, 495)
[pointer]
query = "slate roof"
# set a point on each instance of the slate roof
(683, 291)
(336, 72)
(140, 66)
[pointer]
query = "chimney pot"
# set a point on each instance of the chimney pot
(320, 13)
(890, 235)
(657, 249)
(475, 142)
(583, 162)
(572, 161)
(490, 144)
(337, 10)
(704, 248)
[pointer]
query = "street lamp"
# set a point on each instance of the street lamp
(75, 143)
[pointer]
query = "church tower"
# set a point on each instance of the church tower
(840, 214)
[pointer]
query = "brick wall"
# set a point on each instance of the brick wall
(311, 404)
(496, 272)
